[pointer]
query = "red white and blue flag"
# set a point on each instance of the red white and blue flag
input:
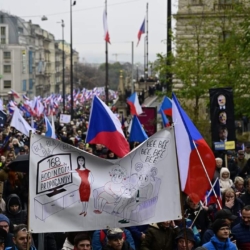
(105, 27)
(141, 31)
(165, 120)
(137, 133)
(190, 145)
(105, 128)
(166, 106)
(211, 198)
(135, 107)
(15, 94)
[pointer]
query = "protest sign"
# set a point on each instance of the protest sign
(71, 190)
(65, 118)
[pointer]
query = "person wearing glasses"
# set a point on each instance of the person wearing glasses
(21, 239)
(242, 230)
(82, 242)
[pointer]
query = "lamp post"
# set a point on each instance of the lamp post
(71, 60)
(63, 66)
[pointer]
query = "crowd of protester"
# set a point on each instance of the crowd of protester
(205, 226)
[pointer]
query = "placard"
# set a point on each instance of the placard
(65, 118)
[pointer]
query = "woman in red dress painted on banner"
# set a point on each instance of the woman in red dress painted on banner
(86, 181)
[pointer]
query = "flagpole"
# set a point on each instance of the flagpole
(181, 200)
(132, 71)
(106, 65)
(204, 168)
(147, 41)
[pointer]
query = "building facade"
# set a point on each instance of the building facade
(30, 58)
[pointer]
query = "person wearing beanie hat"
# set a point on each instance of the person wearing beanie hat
(5, 225)
(181, 241)
(116, 240)
(221, 214)
(220, 240)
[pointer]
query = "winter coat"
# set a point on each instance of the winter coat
(98, 243)
(245, 198)
(201, 221)
(137, 233)
(242, 236)
(125, 246)
(159, 238)
(225, 183)
(20, 217)
(215, 244)
(235, 210)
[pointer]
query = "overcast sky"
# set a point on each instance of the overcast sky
(124, 20)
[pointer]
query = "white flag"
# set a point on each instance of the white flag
(19, 123)
(1, 104)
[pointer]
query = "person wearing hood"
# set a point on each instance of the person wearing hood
(181, 241)
(225, 181)
(14, 210)
(220, 240)
(160, 236)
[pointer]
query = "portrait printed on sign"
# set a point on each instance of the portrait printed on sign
(222, 115)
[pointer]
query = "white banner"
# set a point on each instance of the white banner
(71, 190)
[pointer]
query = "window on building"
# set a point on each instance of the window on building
(7, 84)
(225, 35)
(1, 18)
(6, 68)
(3, 40)
(6, 55)
(3, 31)
(20, 30)
(24, 85)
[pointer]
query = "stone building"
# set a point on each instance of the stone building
(30, 58)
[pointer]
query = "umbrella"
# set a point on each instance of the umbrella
(20, 164)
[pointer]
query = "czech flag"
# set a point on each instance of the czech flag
(211, 198)
(105, 27)
(166, 106)
(141, 31)
(105, 128)
(165, 120)
(135, 107)
(190, 145)
(15, 94)
(137, 133)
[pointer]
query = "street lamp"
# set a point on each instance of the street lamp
(71, 60)
(63, 66)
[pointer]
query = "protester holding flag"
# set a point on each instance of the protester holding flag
(198, 214)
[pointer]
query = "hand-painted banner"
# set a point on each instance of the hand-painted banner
(71, 190)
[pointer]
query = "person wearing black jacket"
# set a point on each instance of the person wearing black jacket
(116, 241)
